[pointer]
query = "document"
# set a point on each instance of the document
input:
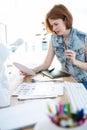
(38, 90)
(24, 68)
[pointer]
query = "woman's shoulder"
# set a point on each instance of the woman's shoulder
(56, 38)
(78, 32)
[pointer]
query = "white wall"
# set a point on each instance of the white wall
(23, 17)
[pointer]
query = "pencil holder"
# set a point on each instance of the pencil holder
(47, 124)
(63, 119)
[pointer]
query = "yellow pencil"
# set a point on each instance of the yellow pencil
(49, 108)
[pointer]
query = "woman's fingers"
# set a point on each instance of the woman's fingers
(70, 55)
(23, 73)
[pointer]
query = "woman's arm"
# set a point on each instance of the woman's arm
(48, 60)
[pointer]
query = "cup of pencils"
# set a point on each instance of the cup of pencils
(64, 118)
(60, 117)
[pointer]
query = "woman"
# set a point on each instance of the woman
(67, 43)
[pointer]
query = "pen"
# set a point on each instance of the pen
(51, 70)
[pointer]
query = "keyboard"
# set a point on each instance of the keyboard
(77, 96)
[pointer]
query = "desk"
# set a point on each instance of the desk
(15, 79)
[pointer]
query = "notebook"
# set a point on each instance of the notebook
(22, 115)
(55, 73)
(38, 90)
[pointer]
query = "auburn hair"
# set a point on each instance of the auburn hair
(61, 12)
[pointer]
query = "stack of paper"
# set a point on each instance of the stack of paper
(38, 90)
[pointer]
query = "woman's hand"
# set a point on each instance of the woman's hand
(23, 73)
(70, 55)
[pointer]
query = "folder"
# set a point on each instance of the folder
(55, 73)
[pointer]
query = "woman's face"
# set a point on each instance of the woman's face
(58, 26)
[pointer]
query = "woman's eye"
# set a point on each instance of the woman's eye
(56, 24)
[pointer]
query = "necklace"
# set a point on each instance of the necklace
(66, 36)
(65, 39)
